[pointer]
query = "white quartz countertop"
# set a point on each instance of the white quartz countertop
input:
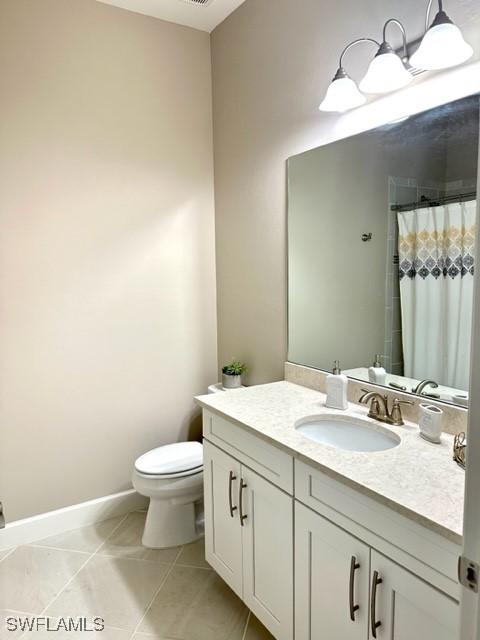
(418, 479)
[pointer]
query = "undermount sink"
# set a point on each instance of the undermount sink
(347, 433)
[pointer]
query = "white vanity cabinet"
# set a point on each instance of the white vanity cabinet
(280, 532)
(346, 590)
(249, 538)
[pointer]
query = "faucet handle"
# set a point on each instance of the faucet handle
(397, 402)
(396, 414)
(365, 392)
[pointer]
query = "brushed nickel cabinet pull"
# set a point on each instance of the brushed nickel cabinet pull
(243, 517)
(354, 565)
(231, 506)
(376, 580)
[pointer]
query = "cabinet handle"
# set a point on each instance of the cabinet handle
(376, 580)
(230, 499)
(354, 565)
(243, 517)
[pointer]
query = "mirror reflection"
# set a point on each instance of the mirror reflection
(382, 230)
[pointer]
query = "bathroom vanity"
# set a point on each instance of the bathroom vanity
(322, 542)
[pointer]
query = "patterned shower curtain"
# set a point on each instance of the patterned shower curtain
(436, 265)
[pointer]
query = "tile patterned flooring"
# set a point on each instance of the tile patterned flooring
(103, 570)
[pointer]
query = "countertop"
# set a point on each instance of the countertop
(418, 479)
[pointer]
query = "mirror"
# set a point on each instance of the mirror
(381, 235)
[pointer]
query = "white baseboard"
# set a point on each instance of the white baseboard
(73, 517)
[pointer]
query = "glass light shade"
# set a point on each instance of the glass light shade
(442, 46)
(342, 95)
(385, 73)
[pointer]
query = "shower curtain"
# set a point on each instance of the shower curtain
(436, 266)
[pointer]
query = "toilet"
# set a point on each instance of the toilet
(172, 477)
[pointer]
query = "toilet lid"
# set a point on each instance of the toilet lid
(178, 458)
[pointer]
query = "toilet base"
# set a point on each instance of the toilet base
(170, 525)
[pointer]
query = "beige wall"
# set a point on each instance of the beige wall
(272, 62)
(107, 286)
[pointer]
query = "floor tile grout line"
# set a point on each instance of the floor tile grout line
(244, 635)
(192, 566)
(9, 553)
(114, 530)
(160, 562)
(180, 551)
(90, 556)
(131, 558)
(169, 571)
(120, 557)
(34, 545)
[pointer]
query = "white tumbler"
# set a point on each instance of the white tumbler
(430, 423)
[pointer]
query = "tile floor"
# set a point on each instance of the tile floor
(103, 570)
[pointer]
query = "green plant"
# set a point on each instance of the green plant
(235, 368)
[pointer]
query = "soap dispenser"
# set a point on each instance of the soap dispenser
(337, 385)
(377, 373)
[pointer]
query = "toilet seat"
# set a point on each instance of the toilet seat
(170, 476)
(177, 460)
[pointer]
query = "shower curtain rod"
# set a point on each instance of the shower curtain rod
(425, 202)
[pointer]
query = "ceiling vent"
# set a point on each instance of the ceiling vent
(203, 3)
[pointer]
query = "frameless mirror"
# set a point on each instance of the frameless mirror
(381, 236)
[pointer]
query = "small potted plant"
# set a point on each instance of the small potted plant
(232, 374)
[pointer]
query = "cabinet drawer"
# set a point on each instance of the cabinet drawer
(264, 458)
(420, 550)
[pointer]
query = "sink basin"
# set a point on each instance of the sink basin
(347, 433)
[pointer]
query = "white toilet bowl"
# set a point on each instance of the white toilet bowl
(172, 477)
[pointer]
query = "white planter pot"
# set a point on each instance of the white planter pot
(231, 382)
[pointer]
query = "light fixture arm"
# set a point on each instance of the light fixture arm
(429, 8)
(404, 34)
(354, 43)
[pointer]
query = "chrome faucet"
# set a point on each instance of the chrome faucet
(419, 389)
(379, 408)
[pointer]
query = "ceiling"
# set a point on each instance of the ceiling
(199, 14)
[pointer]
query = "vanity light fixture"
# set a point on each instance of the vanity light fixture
(343, 93)
(443, 44)
(387, 71)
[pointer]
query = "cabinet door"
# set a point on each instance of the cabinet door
(332, 571)
(223, 535)
(268, 553)
(408, 608)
